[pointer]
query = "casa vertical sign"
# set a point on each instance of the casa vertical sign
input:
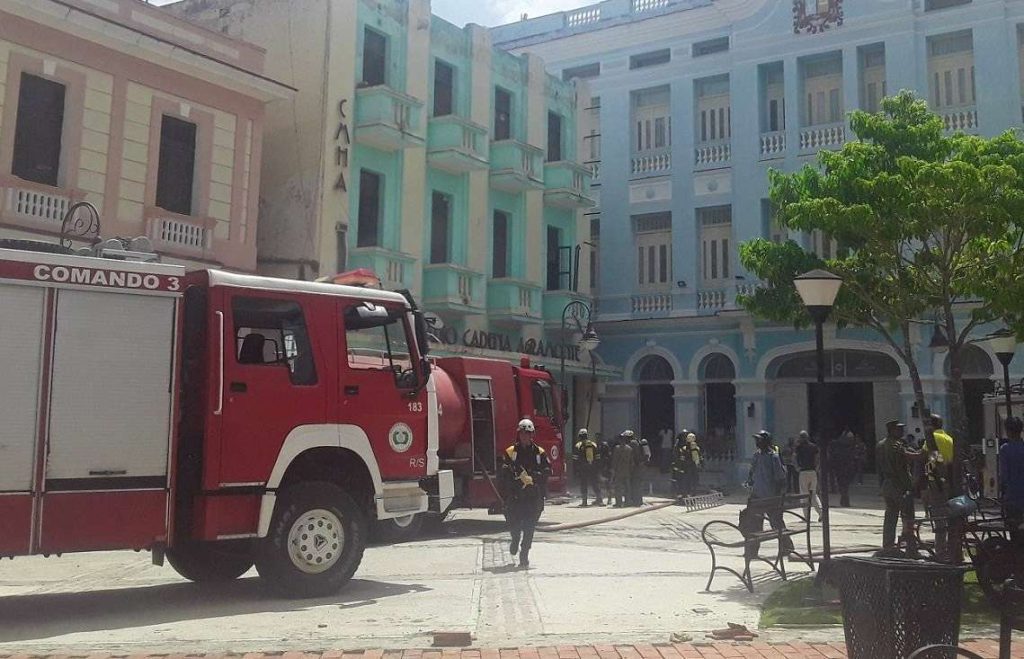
(342, 143)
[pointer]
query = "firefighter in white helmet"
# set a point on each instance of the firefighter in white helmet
(525, 471)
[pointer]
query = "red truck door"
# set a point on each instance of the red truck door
(111, 395)
(537, 399)
(273, 380)
(381, 389)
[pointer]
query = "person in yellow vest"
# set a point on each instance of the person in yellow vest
(938, 449)
(525, 471)
(587, 459)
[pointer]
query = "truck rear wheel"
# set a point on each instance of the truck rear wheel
(315, 542)
(399, 529)
(209, 562)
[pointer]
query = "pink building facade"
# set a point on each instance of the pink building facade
(155, 121)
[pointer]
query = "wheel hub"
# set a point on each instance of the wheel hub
(315, 541)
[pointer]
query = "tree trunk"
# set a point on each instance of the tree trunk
(915, 375)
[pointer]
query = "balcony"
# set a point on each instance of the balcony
(960, 119)
(394, 268)
(651, 163)
(567, 184)
(513, 302)
(713, 155)
(825, 136)
(555, 302)
(712, 300)
(516, 167)
(456, 145)
(387, 119)
(651, 304)
(453, 288)
(34, 205)
(179, 234)
(773, 145)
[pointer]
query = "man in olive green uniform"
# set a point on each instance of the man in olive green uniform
(892, 458)
(622, 468)
(587, 458)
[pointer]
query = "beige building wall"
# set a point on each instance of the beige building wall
(116, 95)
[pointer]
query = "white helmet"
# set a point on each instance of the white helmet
(526, 425)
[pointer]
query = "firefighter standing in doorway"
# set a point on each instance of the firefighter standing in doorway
(588, 466)
(525, 471)
(622, 468)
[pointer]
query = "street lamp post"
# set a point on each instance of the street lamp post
(580, 310)
(1004, 343)
(818, 290)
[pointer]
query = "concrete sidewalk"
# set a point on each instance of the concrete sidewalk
(986, 648)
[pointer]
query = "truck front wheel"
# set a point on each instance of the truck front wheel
(209, 562)
(315, 541)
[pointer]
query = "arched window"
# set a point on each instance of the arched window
(654, 369)
(717, 368)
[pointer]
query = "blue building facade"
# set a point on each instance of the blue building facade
(693, 101)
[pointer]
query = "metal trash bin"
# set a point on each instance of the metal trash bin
(893, 606)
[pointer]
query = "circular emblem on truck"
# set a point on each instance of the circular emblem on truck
(554, 452)
(400, 437)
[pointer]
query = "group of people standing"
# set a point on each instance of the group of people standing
(619, 466)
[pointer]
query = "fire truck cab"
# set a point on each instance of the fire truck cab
(220, 420)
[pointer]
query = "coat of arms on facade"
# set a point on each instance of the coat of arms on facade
(814, 16)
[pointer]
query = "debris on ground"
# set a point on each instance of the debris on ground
(679, 637)
(733, 632)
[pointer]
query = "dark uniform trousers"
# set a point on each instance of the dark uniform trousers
(524, 504)
(897, 505)
(589, 480)
(522, 515)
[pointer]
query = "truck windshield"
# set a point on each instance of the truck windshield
(378, 338)
(543, 400)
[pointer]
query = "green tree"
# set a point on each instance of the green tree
(926, 223)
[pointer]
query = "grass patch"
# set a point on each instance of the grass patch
(800, 603)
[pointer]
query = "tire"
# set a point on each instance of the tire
(209, 562)
(400, 529)
(333, 519)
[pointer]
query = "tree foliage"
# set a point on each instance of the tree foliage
(927, 224)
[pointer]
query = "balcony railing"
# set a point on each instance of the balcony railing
(646, 303)
(827, 136)
(555, 303)
(718, 299)
(595, 169)
(964, 118)
(176, 233)
(567, 184)
(388, 119)
(650, 163)
(457, 145)
(394, 268)
(710, 155)
(513, 301)
(34, 206)
(453, 288)
(516, 167)
(773, 144)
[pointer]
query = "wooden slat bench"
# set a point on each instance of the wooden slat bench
(794, 509)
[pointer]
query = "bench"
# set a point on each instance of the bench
(795, 511)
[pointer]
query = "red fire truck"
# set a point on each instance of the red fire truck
(224, 421)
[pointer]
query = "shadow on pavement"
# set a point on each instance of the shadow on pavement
(33, 617)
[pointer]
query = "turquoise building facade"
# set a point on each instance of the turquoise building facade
(692, 102)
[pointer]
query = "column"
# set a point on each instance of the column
(749, 393)
(479, 103)
(997, 76)
(791, 85)
(684, 223)
(619, 409)
(617, 263)
(851, 83)
(746, 166)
